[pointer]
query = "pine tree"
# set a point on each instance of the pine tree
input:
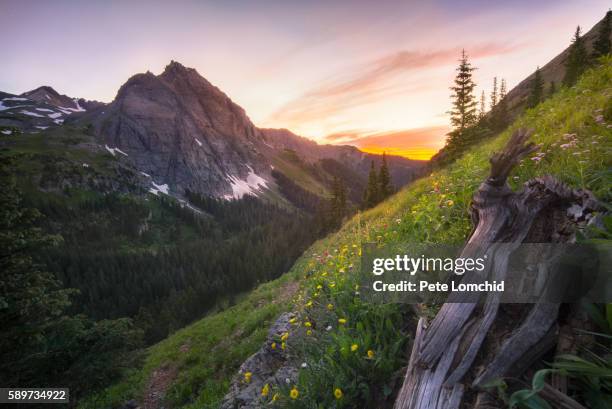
(552, 89)
(483, 106)
(371, 193)
(463, 114)
(494, 96)
(577, 60)
(499, 116)
(384, 180)
(338, 202)
(537, 90)
(502, 90)
(602, 45)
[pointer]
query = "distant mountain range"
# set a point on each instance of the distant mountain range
(185, 135)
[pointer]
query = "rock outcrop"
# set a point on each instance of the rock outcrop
(269, 365)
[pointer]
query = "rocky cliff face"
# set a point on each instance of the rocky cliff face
(188, 135)
(185, 133)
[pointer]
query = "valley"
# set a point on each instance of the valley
(161, 250)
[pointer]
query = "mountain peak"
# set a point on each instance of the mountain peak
(47, 95)
(44, 89)
(176, 67)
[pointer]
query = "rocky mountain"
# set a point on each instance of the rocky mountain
(185, 133)
(188, 135)
(39, 109)
(181, 134)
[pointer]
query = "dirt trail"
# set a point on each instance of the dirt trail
(157, 386)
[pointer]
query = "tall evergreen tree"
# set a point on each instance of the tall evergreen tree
(31, 300)
(494, 95)
(537, 89)
(384, 180)
(602, 45)
(502, 90)
(483, 106)
(371, 194)
(463, 113)
(577, 60)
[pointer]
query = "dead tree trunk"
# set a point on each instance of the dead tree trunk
(461, 349)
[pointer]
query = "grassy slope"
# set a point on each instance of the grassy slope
(434, 209)
(300, 173)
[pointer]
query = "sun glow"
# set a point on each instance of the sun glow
(409, 153)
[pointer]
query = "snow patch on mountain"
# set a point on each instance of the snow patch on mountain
(252, 185)
(114, 150)
(30, 113)
(157, 189)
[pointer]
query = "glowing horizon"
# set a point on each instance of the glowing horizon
(414, 153)
(343, 72)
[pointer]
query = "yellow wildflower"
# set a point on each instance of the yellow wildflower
(371, 354)
(283, 346)
(309, 332)
(275, 397)
(338, 393)
(330, 306)
(354, 347)
(319, 287)
(294, 393)
(323, 274)
(273, 345)
(285, 336)
(265, 390)
(247, 377)
(307, 324)
(309, 304)
(341, 321)
(292, 320)
(450, 203)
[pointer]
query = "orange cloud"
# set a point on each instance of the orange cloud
(370, 83)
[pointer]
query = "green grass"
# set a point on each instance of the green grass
(65, 149)
(208, 352)
(294, 168)
(432, 210)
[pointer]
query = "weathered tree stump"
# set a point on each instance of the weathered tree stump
(461, 349)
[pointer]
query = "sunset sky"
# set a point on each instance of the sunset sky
(370, 73)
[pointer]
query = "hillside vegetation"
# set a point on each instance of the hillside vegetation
(354, 351)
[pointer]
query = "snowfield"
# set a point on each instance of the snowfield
(253, 185)
(157, 189)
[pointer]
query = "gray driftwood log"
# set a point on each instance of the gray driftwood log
(469, 344)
